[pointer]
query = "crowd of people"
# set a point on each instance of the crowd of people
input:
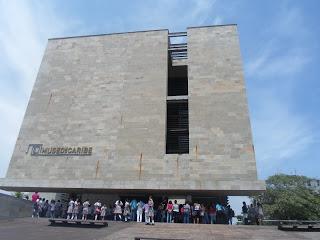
(252, 214)
(133, 210)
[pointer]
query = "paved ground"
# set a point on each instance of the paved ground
(33, 229)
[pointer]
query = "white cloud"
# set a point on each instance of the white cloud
(217, 20)
(289, 23)
(280, 134)
(288, 63)
(25, 28)
(22, 49)
(171, 14)
(11, 116)
(282, 50)
(200, 12)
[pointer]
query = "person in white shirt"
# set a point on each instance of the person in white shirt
(118, 210)
(175, 211)
(139, 211)
(85, 210)
(103, 211)
(70, 209)
(75, 210)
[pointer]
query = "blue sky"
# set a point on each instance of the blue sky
(279, 44)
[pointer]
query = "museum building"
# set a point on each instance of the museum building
(138, 113)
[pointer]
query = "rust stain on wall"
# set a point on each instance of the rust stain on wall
(196, 152)
(140, 166)
(97, 167)
(49, 100)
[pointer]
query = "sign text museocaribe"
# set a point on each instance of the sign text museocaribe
(39, 150)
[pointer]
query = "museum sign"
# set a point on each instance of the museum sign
(40, 150)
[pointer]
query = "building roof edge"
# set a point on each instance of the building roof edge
(221, 25)
(141, 31)
(106, 34)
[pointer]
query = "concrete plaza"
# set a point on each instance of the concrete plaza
(33, 229)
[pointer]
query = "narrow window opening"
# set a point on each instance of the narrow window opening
(178, 80)
(177, 127)
(177, 132)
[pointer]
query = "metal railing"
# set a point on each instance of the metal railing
(178, 51)
(284, 222)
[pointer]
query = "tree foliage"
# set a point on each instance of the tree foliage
(18, 194)
(288, 197)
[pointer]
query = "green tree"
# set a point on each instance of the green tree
(288, 197)
(18, 194)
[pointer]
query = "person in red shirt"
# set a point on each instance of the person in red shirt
(35, 196)
(169, 212)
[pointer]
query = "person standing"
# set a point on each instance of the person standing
(35, 196)
(212, 213)
(163, 210)
(85, 210)
(109, 212)
(35, 210)
(133, 206)
(202, 214)
(230, 214)
(175, 211)
(151, 210)
(196, 213)
(57, 209)
(45, 209)
(97, 210)
(139, 211)
(41, 207)
(75, 211)
(186, 213)
(118, 210)
(126, 210)
(157, 216)
(244, 213)
(91, 214)
(225, 214)
(146, 213)
(259, 213)
(219, 215)
(169, 211)
(251, 214)
(206, 215)
(52, 208)
(70, 209)
(103, 212)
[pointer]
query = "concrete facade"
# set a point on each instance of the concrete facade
(220, 133)
(12, 207)
(109, 92)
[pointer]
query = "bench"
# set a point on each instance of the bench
(297, 225)
(88, 222)
(149, 238)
